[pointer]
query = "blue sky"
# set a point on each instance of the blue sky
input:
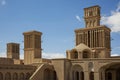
(56, 19)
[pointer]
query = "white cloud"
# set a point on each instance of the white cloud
(78, 18)
(3, 54)
(53, 55)
(3, 2)
(115, 55)
(44, 55)
(113, 20)
(48, 55)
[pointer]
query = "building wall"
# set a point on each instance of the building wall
(16, 72)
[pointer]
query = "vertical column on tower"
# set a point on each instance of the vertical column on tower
(103, 38)
(94, 38)
(100, 39)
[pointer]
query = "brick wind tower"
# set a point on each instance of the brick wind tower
(32, 46)
(13, 50)
(94, 35)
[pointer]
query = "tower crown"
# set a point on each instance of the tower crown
(92, 16)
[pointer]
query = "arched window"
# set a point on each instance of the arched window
(46, 74)
(27, 76)
(86, 54)
(89, 23)
(76, 75)
(49, 74)
(98, 12)
(76, 55)
(95, 23)
(90, 13)
(91, 75)
(15, 76)
(82, 75)
(1, 76)
(118, 74)
(7, 76)
(54, 75)
(22, 76)
(109, 76)
(86, 24)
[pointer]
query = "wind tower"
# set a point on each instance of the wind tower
(94, 35)
(32, 46)
(13, 50)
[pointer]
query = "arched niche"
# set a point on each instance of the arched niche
(74, 54)
(7, 76)
(15, 76)
(49, 74)
(86, 53)
(76, 72)
(110, 71)
(1, 76)
(22, 76)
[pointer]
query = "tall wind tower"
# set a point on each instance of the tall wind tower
(94, 35)
(32, 46)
